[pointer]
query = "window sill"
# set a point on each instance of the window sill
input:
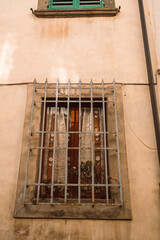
(74, 212)
(62, 13)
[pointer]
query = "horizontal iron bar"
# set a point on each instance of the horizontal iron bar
(75, 101)
(71, 88)
(64, 132)
(73, 184)
(97, 148)
(71, 83)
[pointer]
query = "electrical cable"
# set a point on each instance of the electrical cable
(26, 83)
(151, 148)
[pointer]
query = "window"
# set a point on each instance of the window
(73, 138)
(75, 8)
(77, 4)
(71, 163)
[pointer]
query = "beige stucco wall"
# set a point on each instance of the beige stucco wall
(77, 48)
(70, 48)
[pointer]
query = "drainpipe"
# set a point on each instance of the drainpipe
(150, 76)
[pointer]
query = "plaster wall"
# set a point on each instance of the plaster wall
(70, 48)
(142, 166)
(77, 48)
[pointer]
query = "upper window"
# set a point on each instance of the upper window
(75, 8)
(75, 4)
(73, 161)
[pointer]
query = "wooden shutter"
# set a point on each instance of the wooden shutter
(60, 4)
(90, 3)
(75, 4)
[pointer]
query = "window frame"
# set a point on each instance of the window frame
(23, 210)
(76, 5)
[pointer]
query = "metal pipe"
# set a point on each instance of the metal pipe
(73, 184)
(105, 144)
(30, 134)
(42, 141)
(91, 92)
(66, 163)
(150, 76)
(30, 83)
(79, 151)
(96, 148)
(54, 146)
(73, 132)
(117, 141)
(73, 101)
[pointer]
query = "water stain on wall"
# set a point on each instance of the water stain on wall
(54, 30)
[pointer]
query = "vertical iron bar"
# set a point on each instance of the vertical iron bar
(54, 146)
(66, 164)
(91, 86)
(30, 134)
(105, 145)
(117, 140)
(79, 162)
(42, 140)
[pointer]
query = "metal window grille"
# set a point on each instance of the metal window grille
(75, 4)
(91, 97)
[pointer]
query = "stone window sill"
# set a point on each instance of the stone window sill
(62, 13)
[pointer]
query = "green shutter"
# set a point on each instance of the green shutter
(90, 3)
(75, 4)
(59, 4)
